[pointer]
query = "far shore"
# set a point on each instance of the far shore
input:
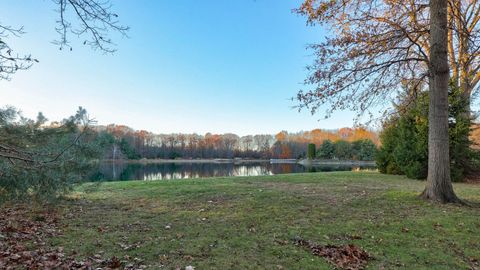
(217, 160)
(304, 162)
(320, 162)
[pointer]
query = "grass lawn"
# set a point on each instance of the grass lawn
(249, 222)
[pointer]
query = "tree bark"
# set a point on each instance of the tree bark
(439, 186)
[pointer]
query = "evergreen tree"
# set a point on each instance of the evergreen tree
(404, 138)
(41, 161)
(343, 150)
(311, 151)
(364, 150)
(326, 150)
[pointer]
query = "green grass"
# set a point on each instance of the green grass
(248, 222)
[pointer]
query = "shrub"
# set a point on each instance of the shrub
(343, 150)
(128, 150)
(326, 150)
(364, 150)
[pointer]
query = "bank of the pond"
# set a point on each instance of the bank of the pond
(334, 162)
(251, 222)
(318, 162)
(161, 161)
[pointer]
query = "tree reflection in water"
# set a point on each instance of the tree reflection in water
(110, 171)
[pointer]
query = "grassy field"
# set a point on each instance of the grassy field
(249, 222)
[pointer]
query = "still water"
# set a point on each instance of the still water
(114, 171)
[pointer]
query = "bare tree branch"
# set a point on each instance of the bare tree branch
(379, 45)
(93, 19)
(11, 62)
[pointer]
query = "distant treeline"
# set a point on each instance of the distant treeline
(127, 143)
(363, 149)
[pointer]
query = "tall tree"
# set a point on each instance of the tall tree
(376, 47)
(439, 186)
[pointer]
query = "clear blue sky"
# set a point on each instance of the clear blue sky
(188, 66)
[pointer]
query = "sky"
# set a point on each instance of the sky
(187, 66)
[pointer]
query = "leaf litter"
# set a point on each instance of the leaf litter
(348, 257)
(23, 235)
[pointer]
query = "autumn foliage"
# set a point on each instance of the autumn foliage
(129, 143)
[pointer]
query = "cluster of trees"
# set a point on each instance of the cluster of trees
(404, 139)
(295, 145)
(131, 144)
(127, 143)
(344, 150)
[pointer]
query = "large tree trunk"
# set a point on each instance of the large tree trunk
(439, 186)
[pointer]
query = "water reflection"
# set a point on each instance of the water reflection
(108, 171)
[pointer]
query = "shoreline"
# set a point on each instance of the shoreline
(304, 162)
(155, 161)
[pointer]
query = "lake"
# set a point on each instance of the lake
(119, 171)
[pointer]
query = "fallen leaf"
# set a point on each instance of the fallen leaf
(348, 257)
